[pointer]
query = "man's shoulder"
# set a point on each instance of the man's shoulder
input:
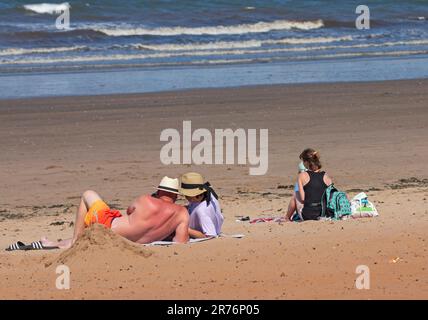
(179, 209)
(153, 203)
(182, 210)
(148, 199)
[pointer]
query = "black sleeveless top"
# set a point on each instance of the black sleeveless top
(314, 190)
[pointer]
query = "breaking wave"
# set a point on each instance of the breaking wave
(47, 8)
(258, 27)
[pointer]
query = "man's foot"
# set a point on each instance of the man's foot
(64, 244)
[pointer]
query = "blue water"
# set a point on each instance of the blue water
(161, 37)
(191, 77)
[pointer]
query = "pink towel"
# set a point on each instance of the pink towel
(274, 219)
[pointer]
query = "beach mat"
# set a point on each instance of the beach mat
(168, 243)
(270, 219)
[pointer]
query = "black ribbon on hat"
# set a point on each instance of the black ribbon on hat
(206, 186)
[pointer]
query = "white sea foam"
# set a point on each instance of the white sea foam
(47, 8)
(218, 61)
(200, 46)
(258, 27)
(310, 40)
(22, 51)
(127, 57)
(371, 54)
(227, 52)
(237, 44)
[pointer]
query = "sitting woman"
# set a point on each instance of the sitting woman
(312, 184)
(206, 218)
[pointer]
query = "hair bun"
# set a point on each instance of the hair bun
(312, 157)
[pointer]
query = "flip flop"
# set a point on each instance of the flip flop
(38, 245)
(16, 246)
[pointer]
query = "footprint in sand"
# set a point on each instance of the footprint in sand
(53, 167)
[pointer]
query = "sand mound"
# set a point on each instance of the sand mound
(98, 243)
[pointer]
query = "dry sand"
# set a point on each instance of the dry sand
(372, 137)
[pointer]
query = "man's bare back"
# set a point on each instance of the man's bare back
(151, 219)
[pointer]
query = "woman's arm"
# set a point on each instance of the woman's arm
(327, 180)
(302, 181)
(195, 234)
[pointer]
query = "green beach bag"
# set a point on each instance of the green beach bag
(335, 204)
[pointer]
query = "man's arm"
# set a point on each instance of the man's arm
(182, 230)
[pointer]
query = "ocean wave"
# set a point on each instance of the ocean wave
(259, 27)
(199, 46)
(127, 57)
(47, 8)
(195, 47)
(310, 40)
(233, 61)
(253, 50)
(22, 51)
(238, 44)
(212, 51)
(371, 54)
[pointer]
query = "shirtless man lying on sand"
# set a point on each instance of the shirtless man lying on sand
(148, 219)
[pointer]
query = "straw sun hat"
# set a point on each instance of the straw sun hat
(192, 184)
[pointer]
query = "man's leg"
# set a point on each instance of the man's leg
(87, 200)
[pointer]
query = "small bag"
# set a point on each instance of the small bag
(361, 207)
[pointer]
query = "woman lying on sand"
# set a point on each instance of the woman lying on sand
(311, 186)
(206, 218)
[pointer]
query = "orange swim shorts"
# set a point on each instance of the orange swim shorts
(101, 213)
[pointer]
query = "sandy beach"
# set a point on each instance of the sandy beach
(372, 137)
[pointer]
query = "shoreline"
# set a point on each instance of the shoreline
(142, 80)
(204, 90)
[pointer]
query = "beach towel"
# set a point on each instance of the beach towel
(168, 243)
(270, 219)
